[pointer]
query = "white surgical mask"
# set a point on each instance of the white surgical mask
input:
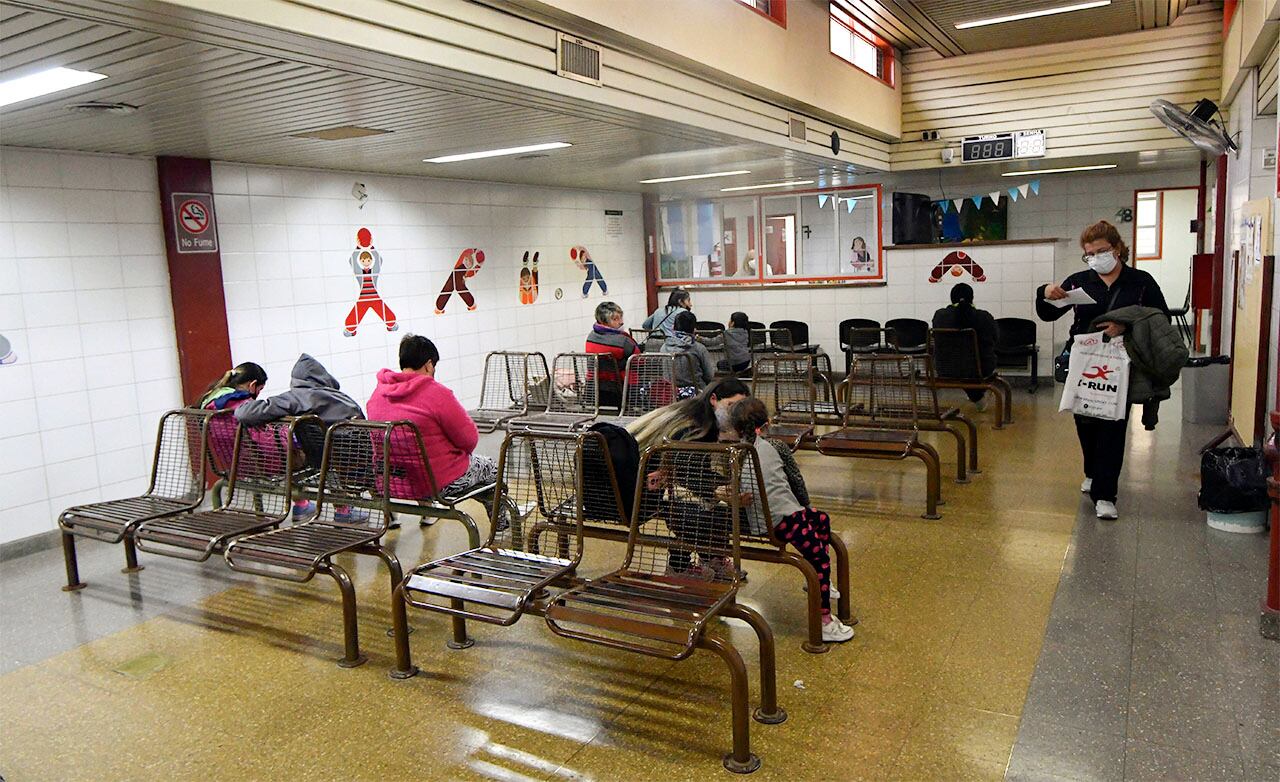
(722, 418)
(1103, 263)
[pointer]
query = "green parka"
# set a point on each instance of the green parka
(1156, 351)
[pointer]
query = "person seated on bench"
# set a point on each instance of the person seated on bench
(615, 346)
(806, 529)
(236, 386)
(693, 375)
(312, 391)
(663, 318)
(449, 436)
(696, 420)
(736, 343)
(963, 315)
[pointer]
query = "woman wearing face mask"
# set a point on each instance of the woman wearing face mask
(1112, 284)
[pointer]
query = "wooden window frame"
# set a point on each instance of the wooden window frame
(1159, 226)
(777, 11)
(856, 28)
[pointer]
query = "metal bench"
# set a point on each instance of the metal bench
(658, 603)
(649, 340)
(770, 340)
(881, 420)
(786, 383)
(259, 495)
(353, 515)
(177, 486)
(574, 401)
(957, 364)
(514, 382)
(651, 384)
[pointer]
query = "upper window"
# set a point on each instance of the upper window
(854, 43)
(774, 9)
(1148, 225)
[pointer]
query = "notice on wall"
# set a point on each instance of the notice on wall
(193, 223)
(613, 223)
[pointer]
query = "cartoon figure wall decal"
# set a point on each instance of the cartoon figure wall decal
(366, 264)
(7, 356)
(528, 279)
(580, 256)
(956, 264)
(467, 265)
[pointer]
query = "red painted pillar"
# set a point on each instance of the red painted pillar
(649, 205)
(1219, 255)
(195, 271)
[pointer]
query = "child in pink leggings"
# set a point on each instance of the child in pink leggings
(807, 530)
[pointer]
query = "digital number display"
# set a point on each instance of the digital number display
(985, 148)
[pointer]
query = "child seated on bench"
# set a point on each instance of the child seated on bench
(806, 529)
(736, 344)
(699, 370)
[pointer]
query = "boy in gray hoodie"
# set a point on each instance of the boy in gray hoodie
(693, 374)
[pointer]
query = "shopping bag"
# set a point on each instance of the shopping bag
(1097, 378)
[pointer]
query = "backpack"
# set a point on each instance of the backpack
(624, 453)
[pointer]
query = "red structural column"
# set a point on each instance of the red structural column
(1219, 256)
(649, 206)
(195, 271)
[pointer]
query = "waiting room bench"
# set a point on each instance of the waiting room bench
(513, 383)
(574, 398)
(645, 606)
(177, 486)
(957, 365)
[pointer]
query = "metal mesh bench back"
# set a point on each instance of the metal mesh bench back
(926, 387)
(687, 529)
(576, 386)
(785, 382)
(178, 465)
(357, 468)
(955, 354)
(408, 474)
(654, 383)
(220, 442)
(261, 480)
(718, 354)
(881, 390)
(508, 378)
(649, 340)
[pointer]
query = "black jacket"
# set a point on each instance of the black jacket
(1133, 287)
(980, 321)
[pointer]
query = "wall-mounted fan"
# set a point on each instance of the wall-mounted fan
(1197, 126)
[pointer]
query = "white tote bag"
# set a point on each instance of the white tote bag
(1097, 378)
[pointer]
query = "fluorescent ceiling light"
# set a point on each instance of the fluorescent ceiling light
(1039, 171)
(773, 184)
(1062, 9)
(43, 83)
(692, 176)
(497, 152)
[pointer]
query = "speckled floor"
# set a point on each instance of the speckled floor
(193, 672)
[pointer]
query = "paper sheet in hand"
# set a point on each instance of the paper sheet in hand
(1074, 296)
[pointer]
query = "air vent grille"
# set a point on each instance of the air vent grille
(578, 59)
(798, 130)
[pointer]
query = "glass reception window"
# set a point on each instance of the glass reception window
(813, 236)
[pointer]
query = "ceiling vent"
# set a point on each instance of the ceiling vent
(798, 131)
(99, 107)
(577, 59)
(340, 133)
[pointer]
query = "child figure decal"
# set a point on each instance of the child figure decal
(528, 279)
(580, 256)
(467, 265)
(366, 264)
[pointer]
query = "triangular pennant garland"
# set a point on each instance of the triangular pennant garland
(1023, 189)
(822, 201)
(943, 205)
(849, 204)
(1013, 194)
(977, 200)
(995, 197)
(1035, 186)
(958, 202)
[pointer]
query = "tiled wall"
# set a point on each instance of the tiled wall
(288, 234)
(84, 302)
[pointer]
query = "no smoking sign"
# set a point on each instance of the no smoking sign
(193, 223)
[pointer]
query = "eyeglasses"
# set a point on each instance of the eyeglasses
(1089, 256)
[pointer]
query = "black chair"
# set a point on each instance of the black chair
(755, 325)
(858, 335)
(799, 331)
(1179, 318)
(1016, 344)
(912, 335)
(709, 325)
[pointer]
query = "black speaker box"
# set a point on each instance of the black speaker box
(913, 221)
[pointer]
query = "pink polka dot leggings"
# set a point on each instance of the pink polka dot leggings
(809, 532)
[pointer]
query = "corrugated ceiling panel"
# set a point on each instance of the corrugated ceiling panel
(1267, 82)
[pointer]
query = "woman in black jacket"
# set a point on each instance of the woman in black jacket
(963, 315)
(1112, 284)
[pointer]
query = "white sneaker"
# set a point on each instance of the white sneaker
(836, 632)
(982, 404)
(833, 593)
(1086, 485)
(1106, 510)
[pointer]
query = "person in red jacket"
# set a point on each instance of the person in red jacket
(615, 346)
(449, 435)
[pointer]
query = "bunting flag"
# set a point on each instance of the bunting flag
(1023, 188)
(1013, 194)
(850, 203)
(1035, 186)
(958, 202)
(943, 205)
(977, 200)
(995, 197)
(822, 201)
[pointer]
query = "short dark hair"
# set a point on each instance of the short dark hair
(416, 350)
(739, 320)
(678, 298)
(686, 322)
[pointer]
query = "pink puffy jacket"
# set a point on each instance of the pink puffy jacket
(448, 433)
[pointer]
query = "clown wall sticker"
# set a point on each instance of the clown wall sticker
(580, 256)
(467, 265)
(528, 279)
(366, 264)
(956, 264)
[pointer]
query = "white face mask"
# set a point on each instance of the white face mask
(722, 417)
(1103, 263)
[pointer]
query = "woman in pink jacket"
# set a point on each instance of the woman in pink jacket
(449, 435)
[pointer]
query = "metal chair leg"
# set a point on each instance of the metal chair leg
(131, 556)
(405, 669)
(740, 761)
(813, 607)
(350, 631)
(962, 475)
(460, 639)
(73, 565)
(933, 479)
(769, 713)
(973, 442)
(840, 554)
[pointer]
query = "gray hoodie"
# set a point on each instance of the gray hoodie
(697, 372)
(312, 390)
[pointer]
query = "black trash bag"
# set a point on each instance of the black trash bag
(1233, 480)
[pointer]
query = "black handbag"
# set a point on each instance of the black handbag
(1062, 362)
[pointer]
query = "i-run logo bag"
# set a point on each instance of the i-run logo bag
(1097, 378)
